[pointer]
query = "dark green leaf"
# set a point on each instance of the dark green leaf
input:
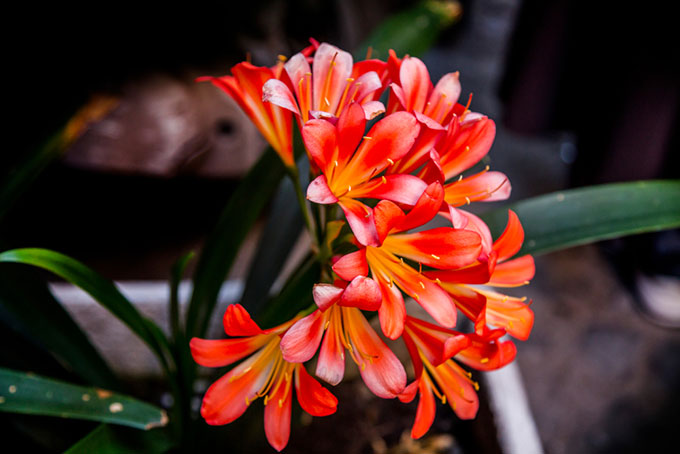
(101, 289)
(178, 269)
(31, 394)
(412, 31)
(278, 238)
(26, 173)
(220, 249)
(295, 296)
(107, 439)
(585, 215)
(26, 302)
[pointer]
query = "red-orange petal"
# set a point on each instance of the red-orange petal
(312, 397)
(383, 374)
(331, 68)
(460, 393)
(320, 138)
(387, 215)
(352, 265)
(426, 410)
(441, 248)
(510, 241)
(517, 271)
(363, 293)
(222, 352)
(392, 312)
(360, 219)
(425, 209)
(302, 340)
(228, 398)
(237, 322)
(330, 366)
(277, 414)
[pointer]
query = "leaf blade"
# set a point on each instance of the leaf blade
(585, 215)
(32, 394)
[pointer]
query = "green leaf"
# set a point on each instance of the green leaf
(31, 394)
(220, 249)
(47, 322)
(25, 174)
(107, 439)
(177, 272)
(295, 296)
(101, 289)
(278, 238)
(586, 215)
(412, 31)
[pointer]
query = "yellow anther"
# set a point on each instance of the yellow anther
(484, 360)
(308, 74)
(384, 180)
(476, 385)
(368, 138)
(487, 168)
(350, 79)
(336, 163)
(505, 298)
(467, 199)
(416, 297)
(522, 319)
(325, 99)
(390, 161)
(325, 327)
(421, 285)
(510, 324)
(524, 298)
(280, 403)
(467, 149)
(266, 400)
(247, 401)
(363, 366)
(282, 57)
(436, 257)
(460, 178)
(349, 188)
(438, 281)
(391, 283)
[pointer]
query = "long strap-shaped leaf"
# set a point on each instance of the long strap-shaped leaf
(27, 393)
(585, 215)
(46, 321)
(108, 439)
(412, 31)
(101, 289)
(220, 249)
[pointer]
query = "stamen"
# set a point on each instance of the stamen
(438, 281)
(390, 161)
(282, 58)
(416, 296)
(484, 360)
(327, 82)
(460, 178)
(325, 326)
(421, 285)
(467, 199)
(369, 52)
(349, 188)
(336, 163)
(436, 257)
(384, 180)
(368, 138)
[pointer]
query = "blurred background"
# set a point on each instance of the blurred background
(582, 94)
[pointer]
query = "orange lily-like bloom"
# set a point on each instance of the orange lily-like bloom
(467, 139)
(350, 163)
(245, 87)
(329, 86)
(440, 248)
(498, 269)
(431, 349)
(341, 325)
(264, 374)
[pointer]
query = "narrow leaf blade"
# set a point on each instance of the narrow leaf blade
(586, 215)
(32, 394)
(220, 249)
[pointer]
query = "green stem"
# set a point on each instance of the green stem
(302, 201)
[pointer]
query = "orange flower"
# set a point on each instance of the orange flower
(274, 122)
(431, 349)
(341, 325)
(264, 374)
(440, 248)
(329, 86)
(484, 306)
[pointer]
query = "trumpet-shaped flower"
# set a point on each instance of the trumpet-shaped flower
(350, 163)
(263, 374)
(342, 326)
(431, 349)
(499, 269)
(440, 248)
(329, 86)
(245, 87)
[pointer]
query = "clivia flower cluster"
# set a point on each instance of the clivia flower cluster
(389, 183)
